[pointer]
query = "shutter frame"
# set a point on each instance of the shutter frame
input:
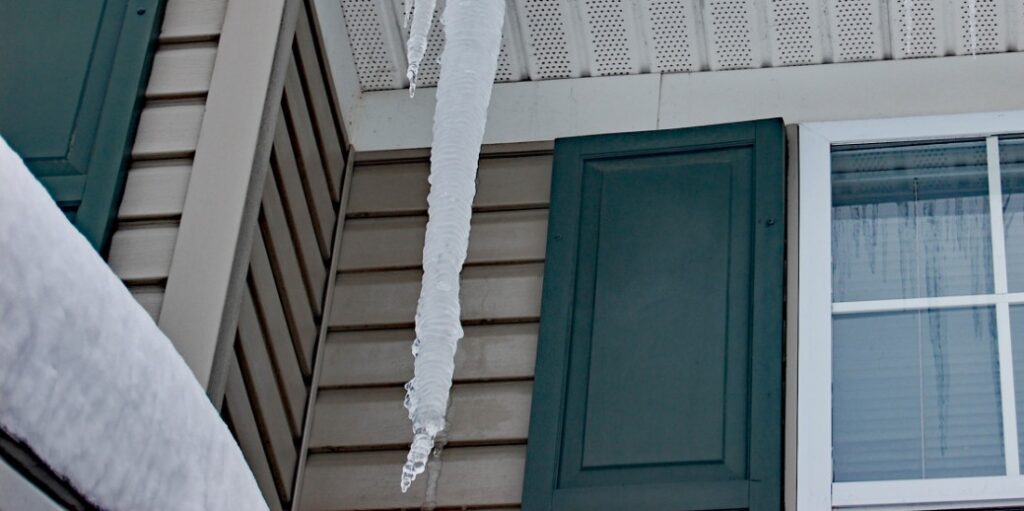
(88, 180)
(764, 458)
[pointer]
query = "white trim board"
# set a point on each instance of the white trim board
(544, 110)
(207, 273)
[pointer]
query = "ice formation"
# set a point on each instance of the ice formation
(468, 64)
(89, 382)
(422, 14)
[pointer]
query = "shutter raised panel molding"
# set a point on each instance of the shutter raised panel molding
(72, 77)
(659, 367)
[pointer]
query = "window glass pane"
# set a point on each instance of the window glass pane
(1017, 336)
(915, 395)
(910, 221)
(1011, 163)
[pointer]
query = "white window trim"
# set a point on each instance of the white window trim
(815, 490)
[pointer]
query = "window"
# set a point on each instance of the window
(911, 313)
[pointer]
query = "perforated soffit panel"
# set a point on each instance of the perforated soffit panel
(549, 39)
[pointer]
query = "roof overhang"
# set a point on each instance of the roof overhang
(576, 67)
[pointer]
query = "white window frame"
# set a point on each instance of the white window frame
(815, 490)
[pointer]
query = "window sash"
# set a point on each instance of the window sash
(814, 486)
(931, 302)
(910, 495)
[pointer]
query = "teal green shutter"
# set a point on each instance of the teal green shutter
(72, 76)
(659, 369)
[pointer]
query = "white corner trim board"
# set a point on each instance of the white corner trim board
(204, 283)
(89, 382)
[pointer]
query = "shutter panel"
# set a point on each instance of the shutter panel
(72, 76)
(659, 369)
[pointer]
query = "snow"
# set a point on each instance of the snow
(468, 64)
(89, 381)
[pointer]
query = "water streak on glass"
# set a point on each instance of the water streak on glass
(916, 395)
(910, 221)
(1011, 163)
(1017, 338)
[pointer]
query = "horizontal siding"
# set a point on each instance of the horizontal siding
(182, 70)
(308, 154)
(287, 271)
(142, 246)
(241, 415)
(142, 254)
(401, 188)
(155, 190)
(381, 357)
(277, 319)
(269, 405)
(149, 297)
(192, 20)
(361, 429)
(394, 243)
(168, 129)
(489, 294)
(327, 125)
(282, 309)
(475, 477)
(280, 362)
(365, 418)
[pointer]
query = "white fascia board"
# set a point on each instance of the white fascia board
(832, 92)
(545, 110)
(519, 112)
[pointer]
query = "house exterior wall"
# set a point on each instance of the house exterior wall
(280, 308)
(297, 138)
(360, 431)
(142, 244)
(147, 221)
(280, 322)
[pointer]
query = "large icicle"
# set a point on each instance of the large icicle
(422, 13)
(468, 64)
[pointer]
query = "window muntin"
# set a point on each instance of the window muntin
(1011, 166)
(906, 378)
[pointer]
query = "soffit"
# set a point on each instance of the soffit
(552, 39)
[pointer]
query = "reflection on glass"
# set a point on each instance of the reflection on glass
(915, 395)
(910, 221)
(1017, 338)
(1011, 164)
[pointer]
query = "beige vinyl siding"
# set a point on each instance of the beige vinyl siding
(142, 246)
(282, 308)
(360, 429)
